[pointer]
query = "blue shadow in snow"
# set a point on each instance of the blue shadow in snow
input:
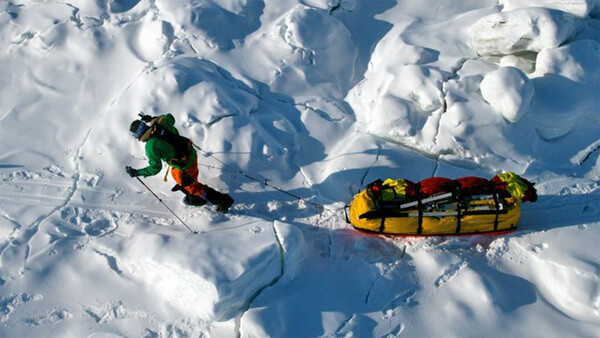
(559, 211)
(275, 122)
(509, 292)
(122, 6)
(299, 303)
(10, 166)
(366, 30)
(222, 26)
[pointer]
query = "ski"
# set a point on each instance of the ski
(455, 213)
(475, 210)
(428, 200)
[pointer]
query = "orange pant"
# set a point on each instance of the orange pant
(188, 179)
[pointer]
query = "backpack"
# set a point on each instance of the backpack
(181, 144)
(516, 186)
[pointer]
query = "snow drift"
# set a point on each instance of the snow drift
(317, 98)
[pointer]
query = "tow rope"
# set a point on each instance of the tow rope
(265, 182)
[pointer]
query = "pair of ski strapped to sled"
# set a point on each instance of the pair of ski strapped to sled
(454, 204)
(459, 210)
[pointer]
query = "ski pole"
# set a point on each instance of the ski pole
(166, 206)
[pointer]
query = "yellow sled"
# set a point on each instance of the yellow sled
(447, 215)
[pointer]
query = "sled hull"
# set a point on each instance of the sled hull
(445, 225)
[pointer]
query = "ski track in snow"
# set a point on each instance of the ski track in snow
(82, 223)
(90, 221)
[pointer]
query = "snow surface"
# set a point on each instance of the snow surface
(319, 98)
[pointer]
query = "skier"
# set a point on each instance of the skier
(163, 143)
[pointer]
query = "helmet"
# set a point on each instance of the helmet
(138, 128)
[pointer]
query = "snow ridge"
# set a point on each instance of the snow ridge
(318, 98)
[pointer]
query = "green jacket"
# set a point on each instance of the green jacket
(158, 150)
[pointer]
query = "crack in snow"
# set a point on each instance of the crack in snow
(383, 273)
(344, 324)
(258, 292)
(362, 179)
(443, 88)
(444, 91)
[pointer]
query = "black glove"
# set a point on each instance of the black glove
(146, 118)
(132, 172)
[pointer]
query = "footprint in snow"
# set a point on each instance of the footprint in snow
(80, 222)
(53, 316)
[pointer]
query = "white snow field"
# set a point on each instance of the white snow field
(317, 98)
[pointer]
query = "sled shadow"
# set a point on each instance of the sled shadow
(560, 211)
(548, 212)
(344, 254)
(353, 286)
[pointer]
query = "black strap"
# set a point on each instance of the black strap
(497, 204)
(377, 198)
(461, 210)
(419, 208)
(346, 214)
(460, 203)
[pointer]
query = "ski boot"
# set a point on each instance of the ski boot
(222, 201)
(189, 199)
(193, 200)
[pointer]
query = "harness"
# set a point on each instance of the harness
(182, 145)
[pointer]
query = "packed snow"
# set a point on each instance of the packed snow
(297, 105)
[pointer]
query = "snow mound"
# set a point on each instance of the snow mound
(527, 29)
(301, 53)
(206, 20)
(319, 38)
(212, 283)
(578, 61)
(576, 7)
(403, 103)
(509, 91)
(151, 39)
(293, 246)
